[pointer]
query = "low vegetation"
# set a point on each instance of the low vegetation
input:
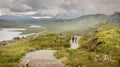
(97, 49)
(11, 54)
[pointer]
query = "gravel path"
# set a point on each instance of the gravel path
(41, 58)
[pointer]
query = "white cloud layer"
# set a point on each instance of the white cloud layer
(66, 8)
(41, 17)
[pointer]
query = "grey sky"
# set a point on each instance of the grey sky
(67, 8)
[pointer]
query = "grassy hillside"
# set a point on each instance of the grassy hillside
(97, 49)
(11, 54)
(80, 25)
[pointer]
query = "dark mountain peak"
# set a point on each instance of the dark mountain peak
(116, 13)
(115, 18)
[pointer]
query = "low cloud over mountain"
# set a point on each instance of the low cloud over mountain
(59, 8)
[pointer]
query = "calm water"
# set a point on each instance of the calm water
(10, 33)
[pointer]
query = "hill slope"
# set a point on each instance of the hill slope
(97, 49)
(83, 24)
(79, 25)
(11, 54)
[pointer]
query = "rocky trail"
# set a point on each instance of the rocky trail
(44, 58)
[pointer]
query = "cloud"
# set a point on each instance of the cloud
(41, 17)
(63, 8)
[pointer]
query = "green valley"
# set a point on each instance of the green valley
(99, 42)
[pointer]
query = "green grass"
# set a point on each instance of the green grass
(11, 54)
(82, 58)
(104, 41)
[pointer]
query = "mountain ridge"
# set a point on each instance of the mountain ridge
(9, 24)
(28, 19)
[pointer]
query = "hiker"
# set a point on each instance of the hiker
(73, 39)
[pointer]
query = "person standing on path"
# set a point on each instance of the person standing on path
(74, 39)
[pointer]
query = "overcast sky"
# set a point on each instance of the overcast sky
(64, 8)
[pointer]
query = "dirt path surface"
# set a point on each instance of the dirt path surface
(41, 58)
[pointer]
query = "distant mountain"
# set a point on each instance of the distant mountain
(115, 18)
(83, 24)
(18, 19)
(8, 24)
